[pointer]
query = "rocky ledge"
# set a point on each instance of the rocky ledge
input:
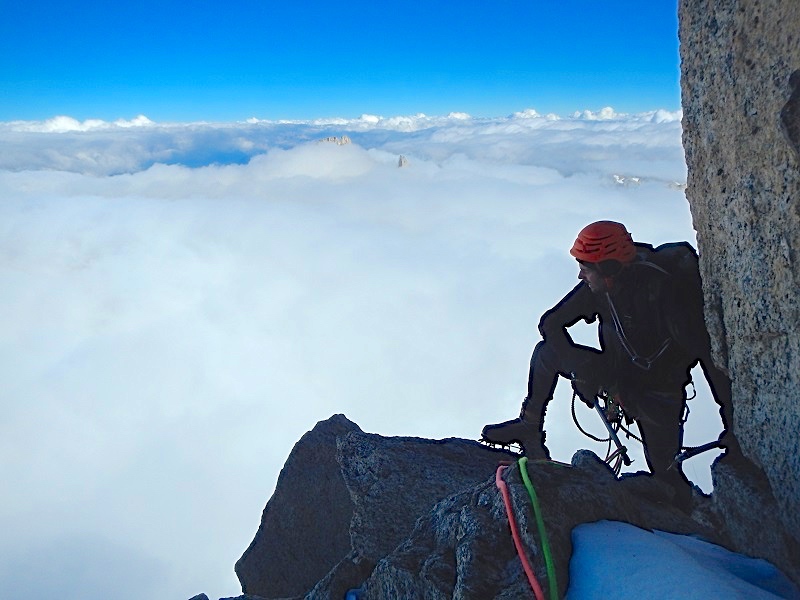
(402, 517)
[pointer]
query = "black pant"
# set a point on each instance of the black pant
(657, 413)
(546, 366)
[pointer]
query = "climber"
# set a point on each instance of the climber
(651, 334)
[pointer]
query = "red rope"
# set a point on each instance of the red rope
(501, 485)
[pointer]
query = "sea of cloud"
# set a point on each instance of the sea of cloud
(182, 301)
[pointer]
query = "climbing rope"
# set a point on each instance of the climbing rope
(537, 511)
(512, 522)
(581, 429)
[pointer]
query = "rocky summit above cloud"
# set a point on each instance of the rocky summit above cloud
(401, 517)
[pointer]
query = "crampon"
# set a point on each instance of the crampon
(511, 447)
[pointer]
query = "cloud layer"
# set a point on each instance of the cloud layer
(526, 138)
(183, 301)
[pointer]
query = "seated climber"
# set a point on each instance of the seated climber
(652, 332)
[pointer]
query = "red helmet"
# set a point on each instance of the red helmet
(604, 240)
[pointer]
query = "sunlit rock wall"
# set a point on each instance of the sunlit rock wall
(741, 123)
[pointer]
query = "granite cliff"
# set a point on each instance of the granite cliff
(740, 89)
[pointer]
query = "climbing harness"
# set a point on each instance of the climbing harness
(512, 522)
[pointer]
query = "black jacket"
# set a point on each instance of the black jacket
(649, 340)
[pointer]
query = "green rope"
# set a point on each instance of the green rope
(537, 511)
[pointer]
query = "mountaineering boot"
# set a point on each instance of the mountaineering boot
(517, 431)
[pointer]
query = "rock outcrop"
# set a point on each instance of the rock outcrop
(740, 72)
(426, 520)
(339, 141)
(305, 528)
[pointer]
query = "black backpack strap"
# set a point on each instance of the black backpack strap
(643, 362)
(647, 263)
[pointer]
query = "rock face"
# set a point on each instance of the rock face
(313, 504)
(414, 518)
(740, 82)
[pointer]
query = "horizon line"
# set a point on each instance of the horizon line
(66, 123)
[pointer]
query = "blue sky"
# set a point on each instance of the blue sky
(311, 58)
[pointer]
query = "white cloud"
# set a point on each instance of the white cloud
(666, 116)
(102, 148)
(65, 124)
(173, 293)
(528, 113)
(604, 114)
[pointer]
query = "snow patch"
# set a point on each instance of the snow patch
(618, 560)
